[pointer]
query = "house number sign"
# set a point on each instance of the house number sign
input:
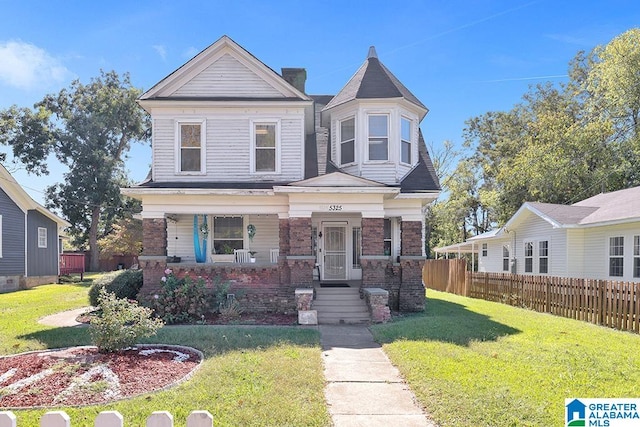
(335, 208)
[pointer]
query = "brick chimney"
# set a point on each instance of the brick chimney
(296, 77)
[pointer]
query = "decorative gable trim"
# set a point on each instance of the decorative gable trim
(337, 179)
(227, 50)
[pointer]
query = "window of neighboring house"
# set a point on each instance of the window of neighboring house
(42, 237)
(405, 140)
(191, 146)
(505, 258)
(265, 143)
(528, 257)
(484, 249)
(616, 256)
(347, 141)
(378, 137)
(0, 236)
(228, 234)
(357, 246)
(636, 256)
(543, 256)
(387, 237)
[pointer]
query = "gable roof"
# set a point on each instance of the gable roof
(20, 197)
(616, 206)
(374, 81)
(221, 63)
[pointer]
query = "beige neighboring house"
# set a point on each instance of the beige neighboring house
(255, 181)
(597, 238)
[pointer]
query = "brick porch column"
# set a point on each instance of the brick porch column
(153, 260)
(412, 292)
(373, 261)
(300, 259)
(285, 247)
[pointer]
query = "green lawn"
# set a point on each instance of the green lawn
(476, 363)
(251, 376)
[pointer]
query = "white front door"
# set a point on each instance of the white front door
(334, 257)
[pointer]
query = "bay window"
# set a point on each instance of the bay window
(347, 141)
(405, 140)
(378, 135)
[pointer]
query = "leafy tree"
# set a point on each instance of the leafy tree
(125, 238)
(89, 128)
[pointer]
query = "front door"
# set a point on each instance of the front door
(334, 258)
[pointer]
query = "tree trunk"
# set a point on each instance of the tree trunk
(93, 240)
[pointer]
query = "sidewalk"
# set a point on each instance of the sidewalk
(363, 387)
(65, 318)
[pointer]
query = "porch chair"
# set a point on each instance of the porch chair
(275, 253)
(241, 255)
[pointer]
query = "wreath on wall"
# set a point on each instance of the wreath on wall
(251, 231)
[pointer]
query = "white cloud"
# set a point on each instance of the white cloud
(190, 52)
(27, 66)
(161, 50)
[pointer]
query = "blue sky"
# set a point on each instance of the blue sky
(460, 58)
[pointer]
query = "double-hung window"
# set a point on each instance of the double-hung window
(190, 146)
(378, 137)
(616, 256)
(405, 140)
(636, 256)
(265, 146)
(485, 249)
(387, 236)
(42, 237)
(347, 141)
(543, 256)
(505, 258)
(528, 257)
(228, 234)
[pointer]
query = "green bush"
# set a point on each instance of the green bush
(181, 300)
(121, 323)
(124, 284)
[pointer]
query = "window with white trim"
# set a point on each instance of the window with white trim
(228, 234)
(636, 256)
(42, 237)
(378, 126)
(406, 130)
(616, 256)
(505, 258)
(348, 141)
(528, 257)
(387, 237)
(191, 147)
(265, 147)
(485, 249)
(543, 256)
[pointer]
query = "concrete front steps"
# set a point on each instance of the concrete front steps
(340, 306)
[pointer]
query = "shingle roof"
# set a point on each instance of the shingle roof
(373, 81)
(614, 206)
(423, 176)
(563, 214)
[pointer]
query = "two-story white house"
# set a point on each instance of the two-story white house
(301, 189)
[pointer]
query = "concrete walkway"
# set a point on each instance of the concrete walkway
(65, 318)
(363, 387)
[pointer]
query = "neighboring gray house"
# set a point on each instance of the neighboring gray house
(596, 238)
(29, 238)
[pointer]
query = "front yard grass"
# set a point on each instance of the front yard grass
(476, 363)
(251, 376)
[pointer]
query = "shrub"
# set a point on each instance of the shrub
(123, 283)
(121, 323)
(181, 300)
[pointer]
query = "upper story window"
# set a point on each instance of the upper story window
(616, 256)
(42, 237)
(347, 141)
(405, 140)
(190, 147)
(265, 147)
(378, 137)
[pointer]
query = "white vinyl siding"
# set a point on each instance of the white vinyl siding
(42, 237)
(227, 77)
(596, 250)
(229, 146)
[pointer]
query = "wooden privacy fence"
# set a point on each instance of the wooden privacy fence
(446, 275)
(603, 302)
(111, 419)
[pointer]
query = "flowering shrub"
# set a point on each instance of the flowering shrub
(120, 323)
(181, 300)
